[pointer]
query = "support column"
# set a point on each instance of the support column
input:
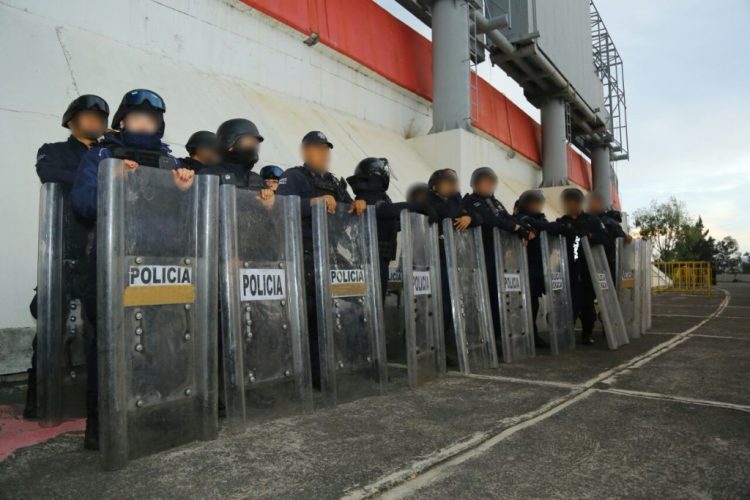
(554, 153)
(601, 173)
(451, 86)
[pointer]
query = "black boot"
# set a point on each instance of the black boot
(30, 410)
(91, 438)
(586, 339)
(540, 343)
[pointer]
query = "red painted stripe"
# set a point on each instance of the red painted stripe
(579, 169)
(371, 36)
(17, 433)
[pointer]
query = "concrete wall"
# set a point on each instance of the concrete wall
(211, 60)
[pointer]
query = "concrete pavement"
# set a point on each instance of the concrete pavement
(666, 416)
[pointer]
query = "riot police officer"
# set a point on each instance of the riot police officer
(445, 198)
(86, 118)
(271, 175)
(203, 148)
(418, 193)
(370, 182)
(578, 224)
(139, 125)
(530, 211)
(239, 142)
(596, 207)
(314, 184)
(493, 214)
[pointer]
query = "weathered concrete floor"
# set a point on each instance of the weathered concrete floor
(666, 416)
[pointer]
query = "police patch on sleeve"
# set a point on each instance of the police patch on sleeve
(282, 181)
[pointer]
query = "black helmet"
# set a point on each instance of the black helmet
(530, 196)
(439, 175)
(230, 131)
(139, 100)
(87, 102)
(572, 194)
(482, 172)
(271, 172)
(201, 139)
(375, 167)
(614, 214)
(415, 190)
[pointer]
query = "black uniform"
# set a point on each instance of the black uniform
(58, 161)
(615, 231)
(235, 173)
(193, 164)
(449, 208)
(581, 288)
(539, 223)
(305, 183)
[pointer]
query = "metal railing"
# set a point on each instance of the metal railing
(683, 276)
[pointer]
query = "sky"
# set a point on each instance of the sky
(687, 85)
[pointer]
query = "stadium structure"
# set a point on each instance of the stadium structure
(350, 68)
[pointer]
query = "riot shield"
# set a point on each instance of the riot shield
(351, 339)
(393, 311)
(423, 313)
(628, 277)
(65, 242)
(606, 295)
(157, 311)
(469, 298)
(513, 296)
(263, 313)
(644, 258)
(557, 289)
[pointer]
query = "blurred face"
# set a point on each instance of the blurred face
(535, 207)
(419, 197)
(595, 205)
(317, 157)
(272, 184)
(88, 125)
(446, 187)
(485, 186)
(140, 122)
(572, 207)
(245, 142)
(207, 156)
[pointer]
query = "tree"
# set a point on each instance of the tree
(694, 243)
(662, 223)
(728, 257)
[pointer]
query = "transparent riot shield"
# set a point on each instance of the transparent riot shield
(157, 311)
(423, 308)
(606, 295)
(557, 289)
(628, 289)
(65, 242)
(469, 298)
(644, 258)
(393, 311)
(263, 313)
(513, 296)
(351, 339)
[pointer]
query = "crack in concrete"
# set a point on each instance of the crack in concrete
(66, 54)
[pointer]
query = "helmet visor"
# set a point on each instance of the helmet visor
(141, 96)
